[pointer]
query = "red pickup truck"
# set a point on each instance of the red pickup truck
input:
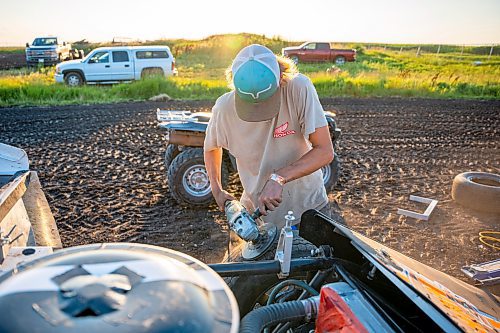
(318, 52)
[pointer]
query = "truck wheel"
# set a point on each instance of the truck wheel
(252, 290)
(151, 72)
(339, 61)
(170, 153)
(188, 178)
(295, 59)
(331, 173)
(73, 79)
(477, 190)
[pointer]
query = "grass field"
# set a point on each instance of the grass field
(378, 71)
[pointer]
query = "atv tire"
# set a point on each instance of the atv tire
(170, 153)
(188, 178)
(477, 190)
(331, 173)
(251, 290)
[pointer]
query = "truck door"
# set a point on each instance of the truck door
(98, 67)
(323, 50)
(310, 52)
(121, 67)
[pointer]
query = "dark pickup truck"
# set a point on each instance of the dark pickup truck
(318, 52)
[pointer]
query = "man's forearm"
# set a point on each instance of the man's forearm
(316, 158)
(213, 162)
(313, 160)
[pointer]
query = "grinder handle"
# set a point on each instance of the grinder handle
(256, 214)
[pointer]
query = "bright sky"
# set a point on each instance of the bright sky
(390, 21)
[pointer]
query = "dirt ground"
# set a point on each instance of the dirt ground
(102, 170)
(12, 60)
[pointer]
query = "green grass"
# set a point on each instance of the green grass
(201, 64)
(36, 90)
(12, 50)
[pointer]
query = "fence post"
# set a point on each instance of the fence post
(462, 52)
(491, 51)
(418, 51)
(400, 50)
(439, 49)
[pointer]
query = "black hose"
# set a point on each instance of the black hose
(258, 319)
(298, 283)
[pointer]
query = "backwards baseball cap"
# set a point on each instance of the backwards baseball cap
(256, 77)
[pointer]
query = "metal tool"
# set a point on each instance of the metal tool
(285, 244)
(258, 238)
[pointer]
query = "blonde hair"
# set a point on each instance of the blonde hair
(288, 70)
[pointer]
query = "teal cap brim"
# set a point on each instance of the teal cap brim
(261, 111)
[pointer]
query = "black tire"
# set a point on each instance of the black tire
(73, 79)
(170, 153)
(340, 60)
(184, 180)
(477, 190)
(152, 72)
(251, 290)
(331, 173)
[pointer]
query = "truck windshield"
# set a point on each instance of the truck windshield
(44, 41)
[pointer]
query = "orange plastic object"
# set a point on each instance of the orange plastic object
(334, 315)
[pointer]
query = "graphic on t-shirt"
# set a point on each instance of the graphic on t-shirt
(281, 131)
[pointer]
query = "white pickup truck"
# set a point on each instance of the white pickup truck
(50, 51)
(117, 64)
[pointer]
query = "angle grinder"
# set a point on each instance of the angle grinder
(258, 238)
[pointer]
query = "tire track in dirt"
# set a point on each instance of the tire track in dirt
(392, 149)
(101, 167)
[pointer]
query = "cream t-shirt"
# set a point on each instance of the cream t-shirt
(260, 148)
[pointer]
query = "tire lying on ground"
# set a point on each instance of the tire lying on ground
(188, 178)
(477, 190)
(252, 290)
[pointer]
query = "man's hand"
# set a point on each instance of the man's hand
(213, 161)
(221, 197)
(270, 197)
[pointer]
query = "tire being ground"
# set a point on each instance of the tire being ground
(251, 289)
(170, 153)
(334, 173)
(477, 190)
(185, 160)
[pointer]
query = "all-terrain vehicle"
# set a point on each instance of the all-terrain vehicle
(187, 176)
